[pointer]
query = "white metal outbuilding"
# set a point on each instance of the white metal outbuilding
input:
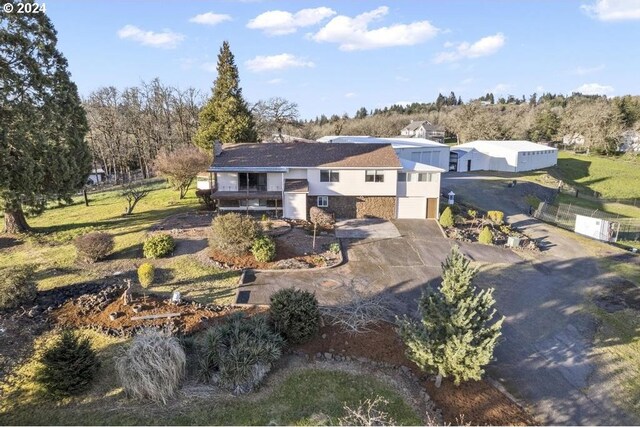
(503, 156)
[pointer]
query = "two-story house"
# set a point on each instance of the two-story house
(348, 180)
(423, 129)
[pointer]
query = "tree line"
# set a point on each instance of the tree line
(600, 120)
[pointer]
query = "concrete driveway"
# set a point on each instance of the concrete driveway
(547, 356)
(366, 228)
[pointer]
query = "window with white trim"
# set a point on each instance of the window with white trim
(374, 176)
(323, 201)
(425, 177)
(329, 176)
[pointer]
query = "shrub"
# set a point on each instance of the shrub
(485, 236)
(446, 219)
(367, 413)
(93, 246)
(264, 249)
(233, 233)
(68, 366)
(239, 353)
(334, 248)
(295, 314)
(204, 197)
(264, 217)
(152, 367)
(146, 274)
(472, 213)
(497, 217)
(158, 246)
(16, 287)
(321, 217)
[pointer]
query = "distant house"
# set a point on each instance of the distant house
(503, 156)
(573, 140)
(348, 180)
(96, 176)
(423, 129)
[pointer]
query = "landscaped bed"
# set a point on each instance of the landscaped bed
(186, 318)
(474, 402)
(294, 249)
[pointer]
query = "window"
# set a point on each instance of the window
(323, 201)
(374, 176)
(402, 177)
(329, 176)
(424, 177)
(252, 181)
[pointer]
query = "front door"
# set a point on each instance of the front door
(432, 208)
(468, 165)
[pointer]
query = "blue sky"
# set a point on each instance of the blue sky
(336, 56)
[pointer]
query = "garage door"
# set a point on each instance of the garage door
(412, 207)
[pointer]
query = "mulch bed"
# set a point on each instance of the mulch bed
(473, 402)
(296, 244)
(193, 317)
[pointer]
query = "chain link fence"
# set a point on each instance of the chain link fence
(564, 216)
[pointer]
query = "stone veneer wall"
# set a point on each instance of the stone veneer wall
(358, 207)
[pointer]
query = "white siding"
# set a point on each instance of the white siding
(352, 183)
(433, 156)
(296, 174)
(227, 181)
(295, 206)
(416, 188)
(274, 182)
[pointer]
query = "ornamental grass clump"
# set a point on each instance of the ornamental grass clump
(153, 367)
(238, 354)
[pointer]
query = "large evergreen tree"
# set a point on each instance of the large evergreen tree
(226, 116)
(457, 334)
(43, 153)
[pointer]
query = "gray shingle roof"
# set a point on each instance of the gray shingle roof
(303, 154)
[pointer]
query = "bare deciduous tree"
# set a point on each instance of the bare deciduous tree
(181, 166)
(271, 116)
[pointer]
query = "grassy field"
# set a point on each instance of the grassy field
(617, 347)
(51, 251)
(300, 398)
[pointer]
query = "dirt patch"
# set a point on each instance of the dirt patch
(475, 402)
(618, 296)
(193, 317)
(296, 244)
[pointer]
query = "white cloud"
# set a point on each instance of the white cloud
(276, 62)
(581, 71)
(539, 88)
(501, 88)
(354, 33)
(279, 22)
(594, 89)
(165, 39)
(613, 10)
(349, 94)
(484, 47)
(210, 18)
(211, 67)
(275, 81)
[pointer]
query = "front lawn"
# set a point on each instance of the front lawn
(50, 248)
(298, 396)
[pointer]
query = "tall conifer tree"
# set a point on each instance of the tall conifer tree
(43, 153)
(457, 334)
(226, 116)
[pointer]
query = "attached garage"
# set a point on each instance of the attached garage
(412, 207)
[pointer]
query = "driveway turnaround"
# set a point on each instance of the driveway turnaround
(368, 228)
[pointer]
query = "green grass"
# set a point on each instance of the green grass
(298, 399)
(51, 249)
(618, 346)
(612, 177)
(613, 208)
